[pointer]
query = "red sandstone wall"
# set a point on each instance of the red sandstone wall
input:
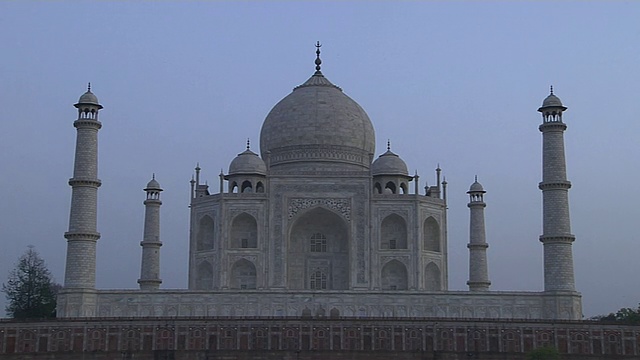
(372, 339)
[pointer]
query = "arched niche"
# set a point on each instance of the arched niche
(334, 313)
(318, 248)
(432, 277)
(431, 231)
(204, 277)
(393, 233)
(394, 276)
(243, 275)
(244, 232)
(205, 234)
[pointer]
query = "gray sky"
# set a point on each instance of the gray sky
(455, 83)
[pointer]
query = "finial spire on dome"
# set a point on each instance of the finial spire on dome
(318, 62)
(551, 89)
(476, 178)
(89, 87)
(248, 144)
(388, 145)
(153, 176)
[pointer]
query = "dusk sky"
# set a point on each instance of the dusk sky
(450, 83)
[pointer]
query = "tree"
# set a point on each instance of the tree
(543, 353)
(625, 315)
(30, 289)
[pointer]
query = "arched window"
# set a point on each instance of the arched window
(393, 233)
(204, 277)
(431, 233)
(259, 187)
(377, 188)
(205, 234)
(233, 187)
(246, 187)
(390, 188)
(318, 243)
(318, 280)
(243, 275)
(432, 278)
(244, 232)
(404, 188)
(394, 276)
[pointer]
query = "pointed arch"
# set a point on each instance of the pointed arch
(244, 232)
(243, 275)
(318, 251)
(390, 188)
(377, 188)
(432, 277)
(393, 233)
(204, 277)
(206, 233)
(431, 235)
(259, 187)
(404, 188)
(394, 276)
(246, 187)
(233, 187)
(334, 313)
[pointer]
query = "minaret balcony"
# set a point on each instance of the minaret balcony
(554, 185)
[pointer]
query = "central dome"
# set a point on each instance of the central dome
(317, 124)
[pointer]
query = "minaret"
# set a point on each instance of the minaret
(150, 269)
(556, 236)
(478, 269)
(80, 270)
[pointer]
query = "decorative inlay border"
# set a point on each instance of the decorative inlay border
(341, 205)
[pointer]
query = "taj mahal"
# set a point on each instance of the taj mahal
(318, 224)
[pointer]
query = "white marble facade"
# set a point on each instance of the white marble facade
(317, 225)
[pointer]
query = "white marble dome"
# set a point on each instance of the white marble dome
(476, 187)
(88, 98)
(153, 184)
(389, 164)
(551, 100)
(318, 123)
(247, 163)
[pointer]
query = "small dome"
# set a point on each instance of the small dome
(88, 98)
(247, 162)
(389, 164)
(551, 100)
(476, 187)
(153, 185)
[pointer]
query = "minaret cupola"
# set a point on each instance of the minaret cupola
(552, 108)
(88, 105)
(153, 189)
